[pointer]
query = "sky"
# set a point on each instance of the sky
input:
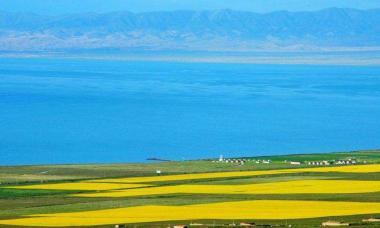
(56, 7)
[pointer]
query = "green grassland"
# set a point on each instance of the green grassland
(51, 173)
(369, 155)
(15, 203)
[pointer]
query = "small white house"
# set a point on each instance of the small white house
(295, 163)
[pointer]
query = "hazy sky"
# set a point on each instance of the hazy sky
(77, 6)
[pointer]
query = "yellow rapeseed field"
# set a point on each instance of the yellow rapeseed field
(260, 209)
(194, 176)
(370, 168)
(80, 186)
(373, 168)
(288, 187)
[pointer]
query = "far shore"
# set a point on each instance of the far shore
(357, 58)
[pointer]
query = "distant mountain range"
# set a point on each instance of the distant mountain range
(223, 30)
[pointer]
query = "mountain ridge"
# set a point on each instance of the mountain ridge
(192, 30)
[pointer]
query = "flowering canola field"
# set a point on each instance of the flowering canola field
(239, 210)
(259, 209)
(136, 182)
(375, 168)
(288, 187)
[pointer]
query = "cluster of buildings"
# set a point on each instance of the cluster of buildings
(241, 224)
(326, 163)
(233, 161)
(318, 163)
(334, 224)
(346, 162)
(241, 161)
(262, 161)
(334, 162)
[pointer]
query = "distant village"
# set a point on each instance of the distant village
(243, 161)
(240, 161)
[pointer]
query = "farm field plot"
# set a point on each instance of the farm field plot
(276, 195)
(81, 186)
(374, 168)
(264, 209)
(288, 187)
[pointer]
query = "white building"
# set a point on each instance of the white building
(295, 163)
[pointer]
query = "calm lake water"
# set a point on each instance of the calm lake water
(84, 111)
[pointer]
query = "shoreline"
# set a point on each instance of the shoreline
(149, 162)
(280, 58)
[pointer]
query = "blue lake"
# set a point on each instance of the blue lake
(89, 111)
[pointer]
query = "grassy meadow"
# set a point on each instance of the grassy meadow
(214, 194)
